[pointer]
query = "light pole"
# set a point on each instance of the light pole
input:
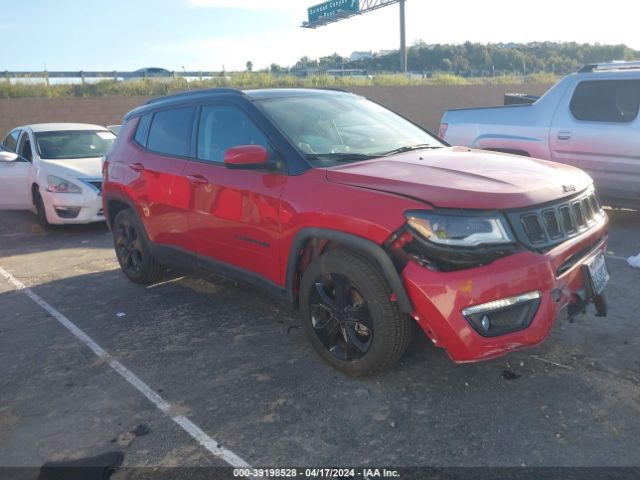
(403, 39)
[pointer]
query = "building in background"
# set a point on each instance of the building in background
(355, 56)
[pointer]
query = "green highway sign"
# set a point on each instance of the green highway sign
(332, 8)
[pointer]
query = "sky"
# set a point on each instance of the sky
(224, 34)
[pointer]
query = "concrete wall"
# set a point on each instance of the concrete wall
(99, 110)
(422, 104)
(425, 105)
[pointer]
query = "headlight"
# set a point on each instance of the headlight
(60, 185)
(448, 240)
(460, 230)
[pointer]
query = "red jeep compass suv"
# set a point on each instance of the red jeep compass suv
(363, 220)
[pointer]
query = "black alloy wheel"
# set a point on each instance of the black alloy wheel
(340, 317)
(349, 315)
(132, 249)
(128, 248)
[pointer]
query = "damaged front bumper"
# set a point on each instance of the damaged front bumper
(512, 303)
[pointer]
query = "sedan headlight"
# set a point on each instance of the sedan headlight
(460, 230)
(60, 185)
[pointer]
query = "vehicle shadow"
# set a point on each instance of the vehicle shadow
(20, 233)
(624, 238)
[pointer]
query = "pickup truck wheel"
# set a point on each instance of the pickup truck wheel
(132, 250)
(349, 317)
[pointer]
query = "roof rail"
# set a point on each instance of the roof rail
(335, 89)
(203, 91)
(615, 65)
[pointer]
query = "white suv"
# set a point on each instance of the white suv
(54, 169)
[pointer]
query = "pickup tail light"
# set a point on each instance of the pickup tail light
(442, 131)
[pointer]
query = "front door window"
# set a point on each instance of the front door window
(24, 147)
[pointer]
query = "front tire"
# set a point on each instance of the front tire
(41, 211)
(132, 249)
(349, 317)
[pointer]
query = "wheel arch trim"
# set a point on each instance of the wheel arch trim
(117, 197)
(367, 248)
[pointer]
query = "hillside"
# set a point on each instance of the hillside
(475, 59)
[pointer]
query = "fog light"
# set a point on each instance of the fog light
(67, 212)
(503, 316)
(486, 323)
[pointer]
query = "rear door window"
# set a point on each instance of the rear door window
(222, 127)
(606, 101)
(170, 132)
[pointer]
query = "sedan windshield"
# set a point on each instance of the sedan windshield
(73, 144)
(344, 127)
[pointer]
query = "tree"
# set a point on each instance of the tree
(275, 69)
(332, 61)
(249, 66)
(460, 63)
(477, 58)
(305, 62)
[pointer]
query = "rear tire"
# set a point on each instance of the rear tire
(349, 317)
(132, 249)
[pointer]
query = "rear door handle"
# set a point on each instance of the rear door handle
(197, 179)
(564, 135)
(136, 167)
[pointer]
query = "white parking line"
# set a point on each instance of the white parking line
(154, 285)
(187, 425)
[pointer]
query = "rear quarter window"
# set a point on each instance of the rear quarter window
(606, 101)
(141, 130)
(170, 132)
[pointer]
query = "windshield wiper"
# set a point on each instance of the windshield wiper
(409, 148)
(340, 157)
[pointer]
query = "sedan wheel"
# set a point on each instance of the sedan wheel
(41, 212)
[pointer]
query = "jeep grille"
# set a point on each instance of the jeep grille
(551, 224)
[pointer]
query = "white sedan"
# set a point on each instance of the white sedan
(54, 169)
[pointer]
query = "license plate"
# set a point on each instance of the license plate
(598, 273)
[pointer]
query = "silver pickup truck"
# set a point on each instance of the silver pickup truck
(589, 119)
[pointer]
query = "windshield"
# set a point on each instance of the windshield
(73, 144)
(343, 127)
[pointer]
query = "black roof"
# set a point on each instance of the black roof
(212, 93)
(194, 94)
(264, 93)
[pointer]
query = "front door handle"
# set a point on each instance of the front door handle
(197, 179)
(564, 135)
(136, 167)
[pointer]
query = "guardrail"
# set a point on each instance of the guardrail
(114, 74)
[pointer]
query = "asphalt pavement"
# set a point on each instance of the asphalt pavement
(238, 367)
